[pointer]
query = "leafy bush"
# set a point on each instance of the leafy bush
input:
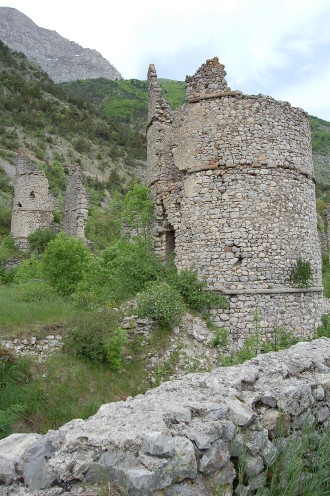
(301, 274)
(137, 210)
(89, 333)
(28, 270)
(193, 291)
(114, 348)
(36, 291)
(129, 266)
(324, 329)
(39, 239)
(5, 220)
(326, 276)
(220, 337)
(65, 262)
(15, 380)
(281, 339)
(162, 303)
(7, 251)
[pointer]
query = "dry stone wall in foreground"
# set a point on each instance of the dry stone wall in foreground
(182, 438)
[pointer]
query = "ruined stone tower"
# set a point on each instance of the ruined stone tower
(76, 205)
(32, 208)
(232, 179)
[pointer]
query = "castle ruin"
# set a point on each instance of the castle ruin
(76, 205)
(32, 208)
(233, 183)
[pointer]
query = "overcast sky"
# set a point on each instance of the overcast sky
(275, 47)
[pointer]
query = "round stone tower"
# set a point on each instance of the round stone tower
(232, 178)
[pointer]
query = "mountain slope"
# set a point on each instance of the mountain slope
(56, 130)
(125, 100)
(61, 59)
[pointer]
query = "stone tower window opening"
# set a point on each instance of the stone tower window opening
(19, 204)
(169, 242)
(32, 194)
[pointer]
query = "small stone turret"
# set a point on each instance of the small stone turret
(32, 208)
(233, 183)
(76, 205)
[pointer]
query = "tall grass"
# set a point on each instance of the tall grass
(326, 276)
(16, 316)
(302, 467)
(36, 398)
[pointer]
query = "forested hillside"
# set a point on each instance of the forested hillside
(57, 129)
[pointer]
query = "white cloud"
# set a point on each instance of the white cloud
(278, 47)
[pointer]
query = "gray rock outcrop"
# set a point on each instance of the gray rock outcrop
(61, 59)
(182, 438)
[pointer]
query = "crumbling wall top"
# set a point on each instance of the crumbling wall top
(158, 108)
(208, 79)
(24, 166)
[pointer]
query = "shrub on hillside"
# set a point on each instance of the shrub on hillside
(89, 333)
(65, 262)
(28, 270)
(114, 347)
(129, 266)
(5, 220)
(193, 290)
(162, 303)
(40, 239)
(36, 291)
(324, 329)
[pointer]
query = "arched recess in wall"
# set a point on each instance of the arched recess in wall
(167, 235)
(169, 242)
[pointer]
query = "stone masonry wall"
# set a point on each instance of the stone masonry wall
(232, 179)
(32, 206)
(184, 437)
(76, 205)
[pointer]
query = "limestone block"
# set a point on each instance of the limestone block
(215, 457)
(240, 413)
(158, 444)
(12, 449)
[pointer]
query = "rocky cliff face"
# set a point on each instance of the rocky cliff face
(63, 60)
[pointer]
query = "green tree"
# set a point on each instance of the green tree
(65, 263)
(39, 239)
(137, 210)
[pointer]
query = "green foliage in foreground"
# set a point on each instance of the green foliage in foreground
(36, 398)
(324, 329)
(301, 467)
(326, 276)
(193, 290)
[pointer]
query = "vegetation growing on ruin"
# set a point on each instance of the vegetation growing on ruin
(301, 274)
